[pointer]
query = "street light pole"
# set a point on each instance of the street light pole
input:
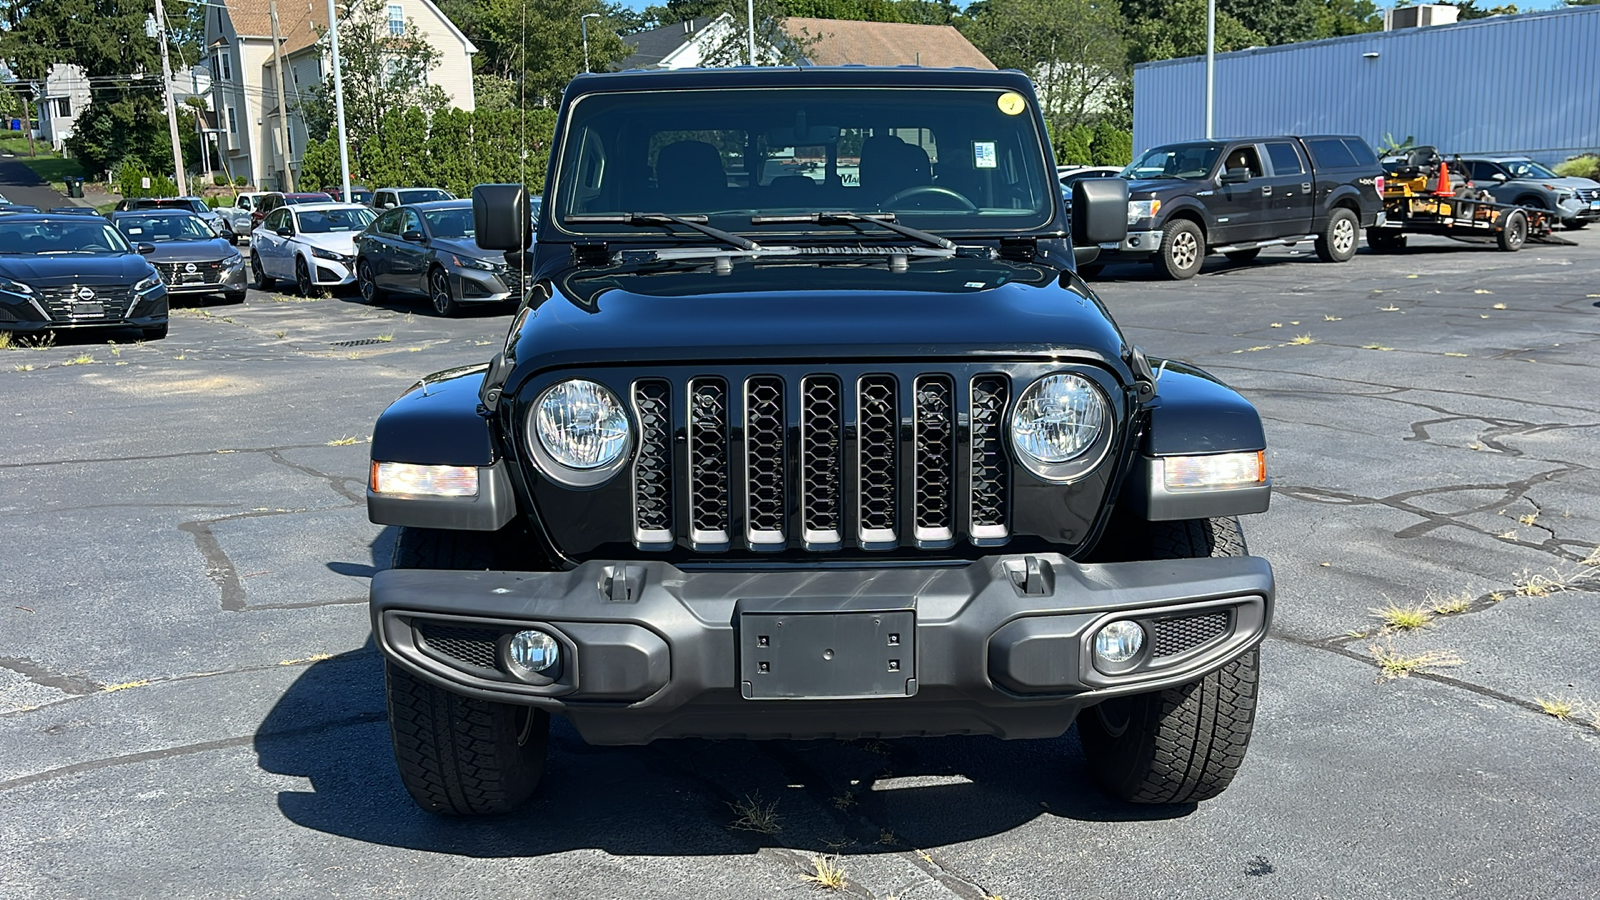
(583, 25)
(1211, 63)
(338, 100)
(750, 26)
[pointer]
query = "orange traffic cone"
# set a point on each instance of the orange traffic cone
(1443, 189)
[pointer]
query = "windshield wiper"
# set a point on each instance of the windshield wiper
(887, 220)
(698, 223)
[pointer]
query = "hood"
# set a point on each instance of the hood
(343, 242)
(467, 247)
(1146, 185)
(69, 268)
(777, 309)
(192, 251)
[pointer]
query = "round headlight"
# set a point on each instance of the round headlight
(581, 424)
(1058, 418)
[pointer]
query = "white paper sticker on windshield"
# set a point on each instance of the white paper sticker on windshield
(983, 156)
(136, 231)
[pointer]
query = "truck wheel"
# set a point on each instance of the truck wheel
(1243, 256)
(1183, 744)
(1183, 251)
(1513, 231)
(1337, 243)
(1090, 270)
(1385, 240)
(457, 755)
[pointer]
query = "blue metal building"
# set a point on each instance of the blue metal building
(1526, 84)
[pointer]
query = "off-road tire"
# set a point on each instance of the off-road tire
(1183, 744)
(1243, 256)
(1384, 240)
(1513, 231)
(458, 755)
(1340, 237)
(1183, 251)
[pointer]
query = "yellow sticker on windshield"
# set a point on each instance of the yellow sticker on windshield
(1011, 103)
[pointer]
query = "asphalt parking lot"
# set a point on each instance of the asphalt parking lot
(190, 705)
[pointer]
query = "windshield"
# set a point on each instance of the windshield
(159, 229)
(424, 195)
(452, 222)
(327, 221)
(939, 158)
(60, 237)
(1175, 161)
(1527, 168)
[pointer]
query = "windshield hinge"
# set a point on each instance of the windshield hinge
(591, 253)
(1018, 249)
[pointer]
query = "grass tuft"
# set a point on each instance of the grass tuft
(386, 338)
(1376, 347)
(826, 873)
(755, 815)
(342, 442)
(1557, 707)
(25, 367)
(1450, 604)
(1390, 308)
(1462, 355)
(1394, 664)
(5, 340)
(1333, 318)
(1300, 340)
(82, 359)
(1402, 618)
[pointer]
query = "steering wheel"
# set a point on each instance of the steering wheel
(918, 189)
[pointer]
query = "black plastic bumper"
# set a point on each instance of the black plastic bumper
(1001, 646)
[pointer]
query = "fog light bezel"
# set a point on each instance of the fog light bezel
(1116, 667)
(547, 675)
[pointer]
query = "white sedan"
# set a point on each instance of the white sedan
(311, 244)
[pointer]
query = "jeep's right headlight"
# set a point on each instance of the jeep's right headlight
(580, 425)
(1142, 209)
(1057, 425)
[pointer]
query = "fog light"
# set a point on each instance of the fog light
(1118, 642)
(532, 652)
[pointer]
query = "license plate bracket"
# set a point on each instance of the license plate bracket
(827, 655)
(90, 309)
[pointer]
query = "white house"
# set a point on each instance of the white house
(244, 81)
(63, 96)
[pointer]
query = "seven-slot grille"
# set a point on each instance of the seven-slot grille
(62, 303)
(178, 273)
(1588, 195)
(873, 461)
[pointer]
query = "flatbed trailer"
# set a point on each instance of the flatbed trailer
(1457, 211)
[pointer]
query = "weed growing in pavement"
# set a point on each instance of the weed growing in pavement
(1450, 604)
(1557, 707)
(1394, 664)
(409, 318)
(289, 298)
(1402, 618)
(1390, 308)
(886, 838)
(25, 367)
(82, 359)
(1462, 355)
(754, 815)
(40, 342)
(280, 334)
(826, 873)
(386, 338)
(1376, 347)
(5, 340)
(1333, 318)
(844, 800)
(1528, 519)
(115, 350)
(342, 442)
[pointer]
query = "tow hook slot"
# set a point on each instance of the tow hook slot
(625, 584)
(1031, 576)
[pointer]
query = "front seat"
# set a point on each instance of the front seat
(890, 165)
(689, 176)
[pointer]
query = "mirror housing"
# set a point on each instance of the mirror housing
(1099, 211)
(285, 231)
(1499, 176)
(500, 217)
(231, 237)
(1235, 176)
(145, 249)
(411, 237)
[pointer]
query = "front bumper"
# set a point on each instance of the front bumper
(30, 316)
(483, 285)
(1000, 646)
(1576, 209)
(1137, 243)
(333, 272)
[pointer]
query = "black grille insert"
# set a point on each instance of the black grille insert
(877, 455)
(652, 469)
(1185, 633)
(990, 469)
(935, 459)
(708, 463)
(469, 646)
(764, 425)
(820, 466)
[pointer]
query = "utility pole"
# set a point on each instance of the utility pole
(338, 100)
(583, 25)
(1211, 63)
(172, 108)
(750, 24)
(283, 98)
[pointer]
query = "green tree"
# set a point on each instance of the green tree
(1335, 18)
(1469, 9)
(1073, 145)
(1112, 145)
(1074, 49)
(1167, 29)
(538, 45)
(493, 92)
(383, 73)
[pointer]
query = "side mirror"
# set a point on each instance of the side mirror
(1099, 211)
(145, 249)
(500, 217)
(1235, 176)
(285, 231)
(230, 237)
(413, 237)
(1498, 176)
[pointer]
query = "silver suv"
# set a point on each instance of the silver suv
(1520, 180)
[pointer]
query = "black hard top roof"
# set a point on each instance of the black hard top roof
(797, 76)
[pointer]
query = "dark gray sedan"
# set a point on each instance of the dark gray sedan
(428, 250)
(191, 258)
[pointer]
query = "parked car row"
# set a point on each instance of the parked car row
(250, 208)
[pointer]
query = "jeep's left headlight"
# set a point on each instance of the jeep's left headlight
(1060, 419)
(580, 425)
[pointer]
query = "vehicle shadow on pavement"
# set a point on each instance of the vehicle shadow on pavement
(675, 797)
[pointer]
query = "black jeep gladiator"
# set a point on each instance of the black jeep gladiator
(807, 429)
(1235, 197)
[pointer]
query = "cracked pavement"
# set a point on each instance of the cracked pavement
(191, 706)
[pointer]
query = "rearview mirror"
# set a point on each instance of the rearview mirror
(500, 217)
(1099, 211)
(1235, 176)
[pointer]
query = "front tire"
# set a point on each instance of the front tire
(458, 755)
(1183, 744)
(262, 281)
(439, 294)
(1183, 251)
(366, 284)
(303, 284)
(1338, 240)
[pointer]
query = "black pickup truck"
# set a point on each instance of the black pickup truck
(1237, 196)
(806, 428)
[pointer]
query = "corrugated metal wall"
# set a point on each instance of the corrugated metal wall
(1527, 84)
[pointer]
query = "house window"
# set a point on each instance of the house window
(233, 122)
(63, 107)
(224, 67)
(397, 19)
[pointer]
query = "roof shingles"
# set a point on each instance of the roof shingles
(839, 43)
